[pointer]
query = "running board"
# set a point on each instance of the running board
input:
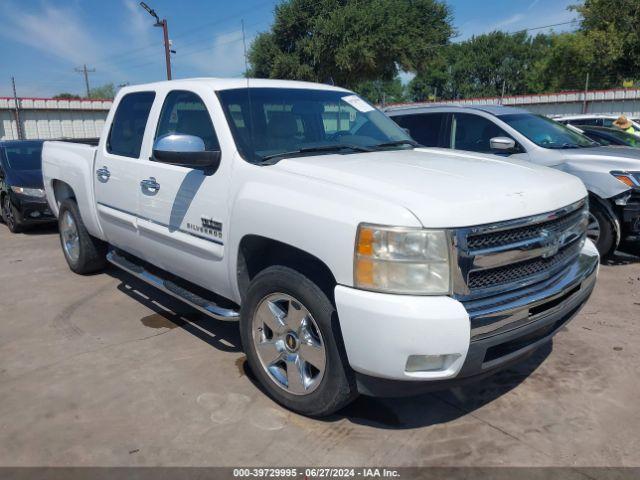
(205, 306)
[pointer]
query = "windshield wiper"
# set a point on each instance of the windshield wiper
(323, 148)
(395, 143)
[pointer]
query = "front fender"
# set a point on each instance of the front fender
(597, 179)
(317, 217)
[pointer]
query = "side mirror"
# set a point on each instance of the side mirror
(503, 144)
(185, 151)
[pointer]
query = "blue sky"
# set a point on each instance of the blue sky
(43, 41)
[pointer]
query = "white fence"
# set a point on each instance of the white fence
(46, 118)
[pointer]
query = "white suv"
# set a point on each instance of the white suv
(611, 174)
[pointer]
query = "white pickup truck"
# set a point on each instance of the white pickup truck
(353, 262)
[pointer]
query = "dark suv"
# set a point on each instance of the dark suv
(21, 188)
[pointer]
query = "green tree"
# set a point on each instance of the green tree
(482, 66)
(106, 91)
(565, 65)
(611, 29)
(66, 96)
(349, 42)
(382, 92)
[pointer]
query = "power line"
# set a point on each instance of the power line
(137, 51)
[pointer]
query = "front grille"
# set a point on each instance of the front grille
(505, 237)
(522, 270)
(510, 255)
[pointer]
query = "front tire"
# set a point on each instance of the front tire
(602, 229)
(290, 334)
(10, 216)
(84, 254)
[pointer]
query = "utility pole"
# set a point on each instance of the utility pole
(244, 46)
(584, 100)
(165, 33)
(504, 84)
(85, 72)
(17, 111)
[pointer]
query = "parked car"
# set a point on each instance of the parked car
(592, 119)
(611, 175)
(21, 190)
(354, 262)
(609, 136)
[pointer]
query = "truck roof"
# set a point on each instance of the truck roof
(218, 84)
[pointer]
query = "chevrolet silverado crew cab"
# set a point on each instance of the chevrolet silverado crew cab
(610, 174)
(354, 262)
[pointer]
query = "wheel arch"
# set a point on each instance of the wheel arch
(608, 209)
(255, 253)
(62, 191)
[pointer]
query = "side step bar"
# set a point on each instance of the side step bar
(205, 306)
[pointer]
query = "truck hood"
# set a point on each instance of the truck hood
(608, 158)
(445, 188)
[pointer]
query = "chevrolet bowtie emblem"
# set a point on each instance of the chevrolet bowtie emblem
(551, 242)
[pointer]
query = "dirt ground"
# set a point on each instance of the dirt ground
(105, 371)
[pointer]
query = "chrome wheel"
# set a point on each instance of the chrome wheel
(70, 238)
(593, 228)
(289, 344)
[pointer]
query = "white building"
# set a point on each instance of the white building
(46, 118)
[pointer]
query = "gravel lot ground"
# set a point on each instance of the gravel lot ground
(104, 371)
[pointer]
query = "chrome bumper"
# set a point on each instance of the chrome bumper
(562, 292)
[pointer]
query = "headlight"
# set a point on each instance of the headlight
(630, 179)
(29, 192)
(402, 260)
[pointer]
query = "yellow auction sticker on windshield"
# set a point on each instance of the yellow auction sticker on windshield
(358, 103)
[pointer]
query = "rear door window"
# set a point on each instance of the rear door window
(425, 128)
(129, 123)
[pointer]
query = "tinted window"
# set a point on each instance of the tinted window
(129, 122)
(25, 156)
(620, 137)
(545, 132)
(596, 136)
(267, 122)
(586, 121)
(425, 128)
(473, 133)
(185, 113)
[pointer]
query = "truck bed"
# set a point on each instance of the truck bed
(71, 164)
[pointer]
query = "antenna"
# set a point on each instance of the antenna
(246, 74)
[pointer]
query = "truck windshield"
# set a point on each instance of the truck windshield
(545, 132)
(24, 157)
(273, 123)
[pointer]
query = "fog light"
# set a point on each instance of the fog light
(34, 214)
(430, 363)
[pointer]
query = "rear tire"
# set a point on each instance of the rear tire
(10, 216)
(84, 254)
(602, 229)
(290, 334)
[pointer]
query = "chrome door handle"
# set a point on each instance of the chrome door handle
(103, 174)
(150, 184)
